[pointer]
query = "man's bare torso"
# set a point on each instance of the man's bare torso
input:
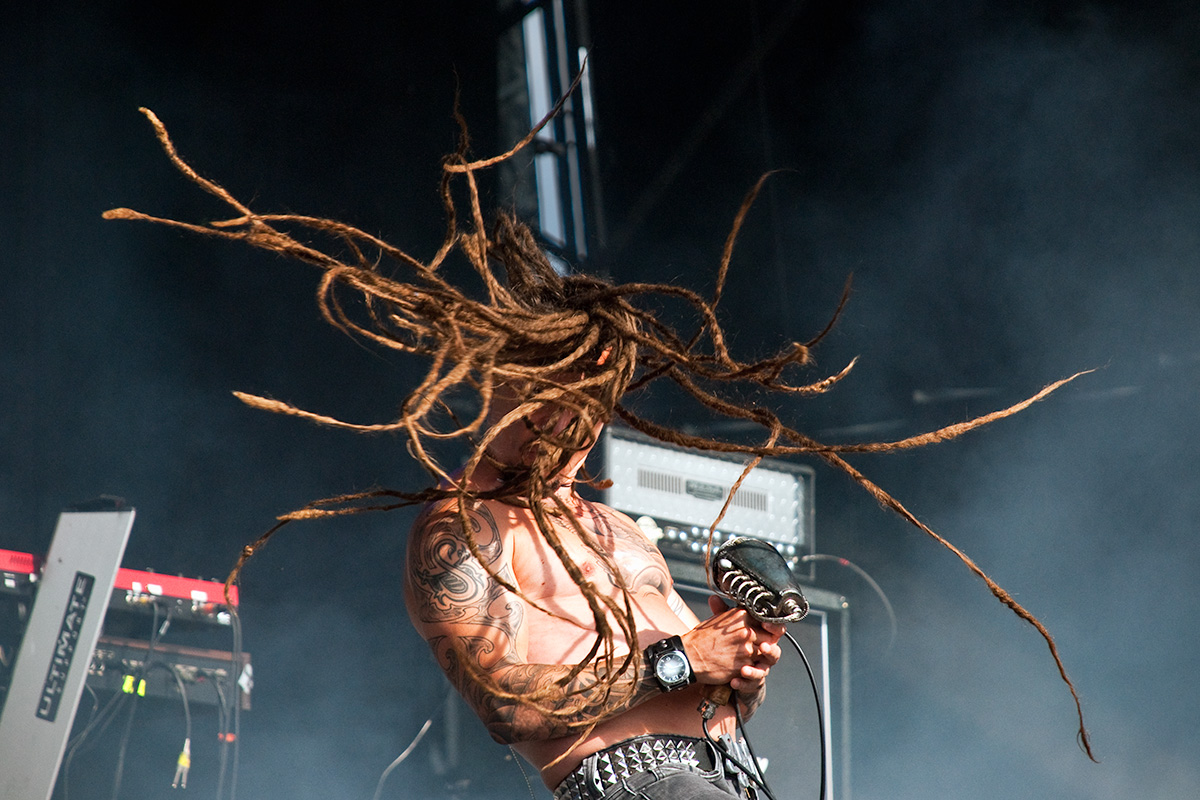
(563, 631)
(658, 611)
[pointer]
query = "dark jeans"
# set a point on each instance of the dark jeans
(674, 783)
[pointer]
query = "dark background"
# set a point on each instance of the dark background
(1015, 187)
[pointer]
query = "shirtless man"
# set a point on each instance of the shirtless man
(455, 604)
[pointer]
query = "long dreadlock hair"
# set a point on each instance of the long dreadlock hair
(575, 343)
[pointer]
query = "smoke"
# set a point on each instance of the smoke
(1032, 214)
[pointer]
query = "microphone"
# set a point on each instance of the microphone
(753, 576)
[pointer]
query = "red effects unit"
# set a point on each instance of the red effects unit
(19, 571)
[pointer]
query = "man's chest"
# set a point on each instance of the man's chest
(602, 548)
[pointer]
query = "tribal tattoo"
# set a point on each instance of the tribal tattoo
(472, 624)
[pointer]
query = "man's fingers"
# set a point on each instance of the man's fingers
(750, 677)
(770, 652)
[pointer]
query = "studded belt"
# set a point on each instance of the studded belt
(610, 766)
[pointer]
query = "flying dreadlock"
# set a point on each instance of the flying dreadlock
(574, 343)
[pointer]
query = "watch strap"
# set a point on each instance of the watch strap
(664, 646)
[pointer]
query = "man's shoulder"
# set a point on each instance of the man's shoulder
(447, 533)
(608, 511)
(454, 516)
(619, 521)
(449, 508)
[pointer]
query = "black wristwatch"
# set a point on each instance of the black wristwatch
(669, 664)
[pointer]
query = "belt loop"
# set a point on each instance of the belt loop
(591, 776)
(714, 755)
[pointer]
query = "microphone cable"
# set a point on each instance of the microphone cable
(812, 681)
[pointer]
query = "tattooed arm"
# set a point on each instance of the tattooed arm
(475, 625)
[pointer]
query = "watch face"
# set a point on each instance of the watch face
(671, 668)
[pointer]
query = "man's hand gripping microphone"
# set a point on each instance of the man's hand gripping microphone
(753, 575)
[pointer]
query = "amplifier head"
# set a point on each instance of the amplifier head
(676, 494)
